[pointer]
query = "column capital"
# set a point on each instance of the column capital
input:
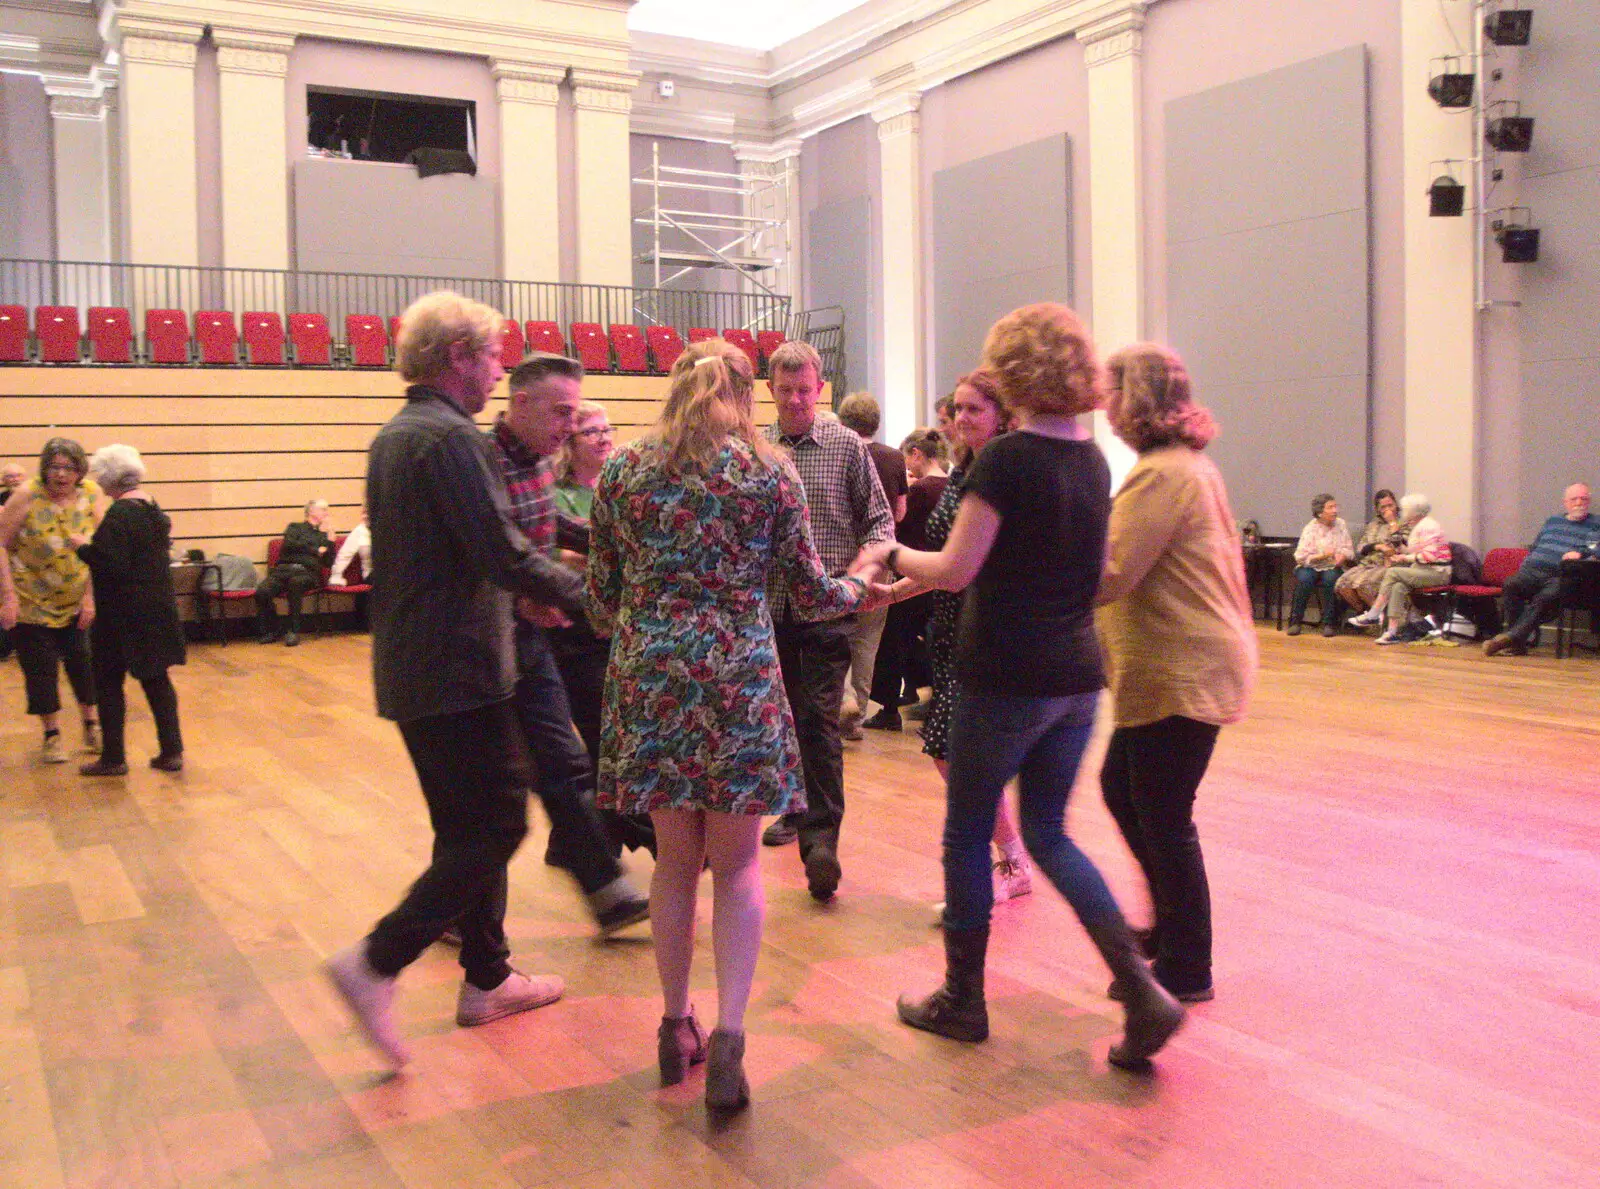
(776, 153)
(1119, 35)
(75, 105)
(604, 90)
(899, 115)
(527, 82)
(247, 51)
(157, 42)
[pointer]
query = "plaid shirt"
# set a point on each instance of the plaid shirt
(530, 488)
(847, 506)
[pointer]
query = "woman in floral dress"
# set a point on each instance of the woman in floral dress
(696, 730)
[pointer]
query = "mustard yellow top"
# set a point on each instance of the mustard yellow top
(49, 575)
(1176, 624)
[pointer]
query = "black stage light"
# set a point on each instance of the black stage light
(1450, 87)
(1509, 26)
(1446, 196)
(1509, 134)
(1519, 243)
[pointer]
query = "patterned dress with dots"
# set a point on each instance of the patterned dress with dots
(945, 608)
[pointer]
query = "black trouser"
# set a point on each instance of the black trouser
(1531, 600)
(897, 653)
(582, 657)
(814, 658)
(109, 672)
(39, 651)
(475, 775)
(1149, 780)
(565, 777)
(293, 582)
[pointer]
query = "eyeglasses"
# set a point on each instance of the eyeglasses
(69, 467)
(595, 431)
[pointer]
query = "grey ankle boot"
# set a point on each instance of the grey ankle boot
(957, 1009)
(1152, 1014)
(727, 1089)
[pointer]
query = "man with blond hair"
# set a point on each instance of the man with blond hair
(848, 512)
(447, 560)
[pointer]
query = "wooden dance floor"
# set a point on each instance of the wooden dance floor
(1404, 847)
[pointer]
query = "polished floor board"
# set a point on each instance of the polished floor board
(1404, 849)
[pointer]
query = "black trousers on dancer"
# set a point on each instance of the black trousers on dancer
(109, 673)
(814, 658)
(43, 652)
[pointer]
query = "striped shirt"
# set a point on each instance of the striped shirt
(848, 509)
(1559, 537)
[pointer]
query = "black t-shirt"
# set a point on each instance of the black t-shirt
(1027, 622)
(891, 466)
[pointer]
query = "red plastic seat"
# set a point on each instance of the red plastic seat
(546, 336)
(166, 336)
(56, 328)
(263, 338)
(511, 345)
(627, 340)
(355, 581)
(589, 341)
(368, 340)
(217, 336)
(666, 344)
(394, 329)
(767, 342)
(313, 345)
(746, 342)
(699, 334)
(110, 335)
(14, 334)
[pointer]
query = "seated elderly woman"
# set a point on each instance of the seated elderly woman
(1323, 550)
(1423, 561)
(1358, 586)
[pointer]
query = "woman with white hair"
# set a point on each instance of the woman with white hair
(136, 630)
(1423, 561)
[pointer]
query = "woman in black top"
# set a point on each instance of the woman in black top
(136, 630)
(1027, 546)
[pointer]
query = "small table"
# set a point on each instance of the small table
(1580, 591)
(1263, 566)
(183, 587)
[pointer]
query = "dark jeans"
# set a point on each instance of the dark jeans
(1531, 600)
(565, 777)
(40, 650)
(475, 775)
(293, 583)
(1149, 780)
(994, 737)
(897, 661)
(109, 672)
(582, 657)
(1305, 581)
(814, 658)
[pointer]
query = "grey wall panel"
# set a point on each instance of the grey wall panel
(839, 245)
(1268, 280)
(353, 216)
(1560, 439)
(1001, 238)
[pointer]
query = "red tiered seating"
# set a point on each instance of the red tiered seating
(546, 336)
(369, 342)
(746, 342)
(313, 345)
(511, 348)
(218, 339)
(394, 329)
(665, 346)
(14, 334)
(263, 338)
(699, 334)
(57, 330)
(767, 342)
(110, 334)
(166, 336)
(628, 342)
(589, 341)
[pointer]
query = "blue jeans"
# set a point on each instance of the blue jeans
(1305, 581)
(994, 737)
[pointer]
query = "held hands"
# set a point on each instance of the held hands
(878, 595)
(86, 614)
(77, 540)
(541, 615)
(871, 562)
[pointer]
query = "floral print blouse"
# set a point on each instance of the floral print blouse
(50, 577)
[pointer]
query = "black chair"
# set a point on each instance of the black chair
(1580, 592)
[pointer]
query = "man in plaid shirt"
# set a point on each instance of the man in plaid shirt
(848, 512)
(544, 394)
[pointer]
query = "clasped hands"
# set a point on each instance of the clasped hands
(871, 566)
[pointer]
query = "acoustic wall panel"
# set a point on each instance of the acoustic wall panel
(1001, 238)
(1268, 280)
(839, 250)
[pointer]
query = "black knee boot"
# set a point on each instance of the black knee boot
(957, 1009)
(1153, 1015)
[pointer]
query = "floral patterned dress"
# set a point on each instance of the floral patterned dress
(695, 714)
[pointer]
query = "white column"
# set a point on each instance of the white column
(82, 175)
(159, 185)
(772, 172)
(900, 242)
(114, 183)
(1441, 381)
(255, 170)
(530, 209)
(601, 102)
(1112, 52)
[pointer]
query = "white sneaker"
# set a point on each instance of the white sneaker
(1365, 620)
(53, 751)
(371, 997)
(517, 994)
(1012, 879)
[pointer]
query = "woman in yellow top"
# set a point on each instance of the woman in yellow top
(1179, 637)
(46, 601)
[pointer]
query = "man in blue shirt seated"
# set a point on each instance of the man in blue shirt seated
(1533, 593)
